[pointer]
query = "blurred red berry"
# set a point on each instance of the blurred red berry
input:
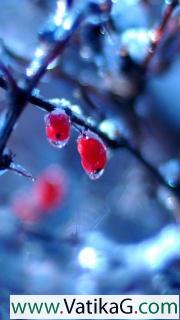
(25, 208)
(58, 127)
(50, 189)
(47, 193)
(93, 154)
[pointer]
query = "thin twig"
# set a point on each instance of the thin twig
(10, 80)
(57, 49)
(159, 31)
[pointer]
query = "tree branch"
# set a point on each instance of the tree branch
(18, 98)
(119, 142)
(159, 31)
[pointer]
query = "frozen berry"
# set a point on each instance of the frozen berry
(58, 127)
(93, 154)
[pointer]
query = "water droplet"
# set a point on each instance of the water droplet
(167, 199)
(86, 53)
(95, 175)
(53, 64)
(58, 144)
(171, 172)
(36, 92)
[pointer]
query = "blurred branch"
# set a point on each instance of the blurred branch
(10, 80)
(17, 101)
(160, 30)
(85, 89)
(57, 49)
(18, 98)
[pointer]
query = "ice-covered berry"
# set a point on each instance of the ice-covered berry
(58, 128)
(93, 154)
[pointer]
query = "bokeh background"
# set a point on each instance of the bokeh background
(120, 233)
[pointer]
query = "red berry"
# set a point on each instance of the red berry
(25, 208)
(47, 193)
(49, 189)
(93, 154)
(58, 127)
